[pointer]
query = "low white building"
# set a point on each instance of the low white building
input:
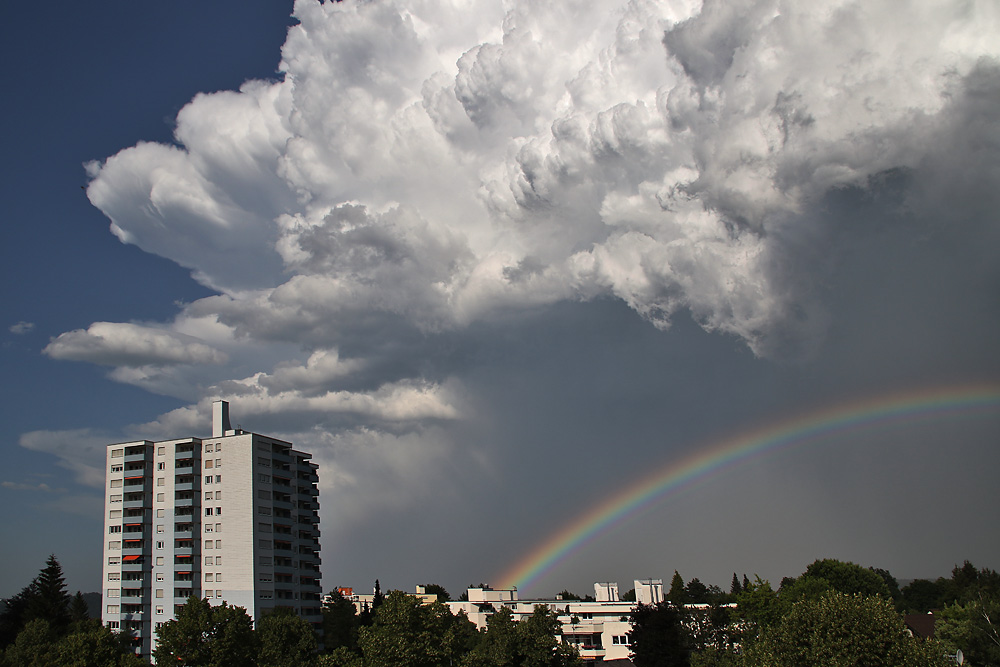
(598, 629)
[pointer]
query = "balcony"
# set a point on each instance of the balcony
(183, 499)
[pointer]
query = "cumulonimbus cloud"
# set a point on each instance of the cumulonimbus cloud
(657, 152)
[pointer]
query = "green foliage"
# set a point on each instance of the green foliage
(658, 636)
(695, 592)
(438, 590)
(758, 606)
(285, 640)
(340, 623)
(96, 646)
(203, 635)
(339, 657)
(735, 588)
(566, 595)
(972, 624)
(407, 633)
(839, 630)
(848, 578)
(378, 598)
(33, 647)
(629, 596)
(677, 595)
(532, 642)
(44, 598)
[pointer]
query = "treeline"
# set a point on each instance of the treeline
(44, 626)
(835, 613)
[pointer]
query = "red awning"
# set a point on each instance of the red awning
(132, 557)
(182, 555)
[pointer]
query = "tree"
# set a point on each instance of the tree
(340, 623)
(840, 630)
(96, 646)
(735, 588)
(203, 635)
(50, 600)
(695, 592)
(629, 596)
(532, 642)
(677, 594)
(377, 598)
(286, 640)
(848, 578)
(407, 633)
(920, 596)
(566, 595)
(758, 607)
(658, 637)
(33, 647)
(438, 590)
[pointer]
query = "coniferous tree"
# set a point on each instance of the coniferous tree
(51, 601)
(735, 588)
(677, 594)
(378, 598)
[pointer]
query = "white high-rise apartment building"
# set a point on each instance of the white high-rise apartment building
(232, 518)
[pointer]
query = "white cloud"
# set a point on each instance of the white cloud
(131, 345)
(81, 451)
(21, 328)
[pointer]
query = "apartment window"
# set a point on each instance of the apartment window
(209, 594)
(218, 594)
(159, 497)
(208, 528)
(115, 514)
(116, 484)
(264, 495)
(264, 578)
(209, 544)
(218, 544)
(159, 560)
(264, 527)
(159, 514)
(266, 560)
(208, 479)
(621, 640)
(218, 511)
(161, 466)
(218, 560)
(264, 544)
(159, 527)
(160, 451)
(159, 592)
(112, 609)
(218, 463)
(160, 481)
(208, 511)
(114, 576)
(159, 576)
(114, 529)
(159, 610)
(112, 592)
(209, 447)
(208, 560)
(114, 546)
(117, 453)
(159, 545)
(218, 447)
(266, 479)
(218, 527)
(264, 462)
(218, 495)
(117, 498)
(266, 595)
(113, 625)
(208, 495)
(218, 576)
(218, 479)
(114, 560)
(208, 576)
(208, 464)
(117, 467)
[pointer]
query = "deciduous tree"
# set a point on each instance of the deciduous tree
(658, 636)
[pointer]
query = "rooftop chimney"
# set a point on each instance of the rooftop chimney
(220, 419)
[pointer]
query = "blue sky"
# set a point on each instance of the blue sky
(492, 263)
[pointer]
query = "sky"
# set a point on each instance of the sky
(494, 262)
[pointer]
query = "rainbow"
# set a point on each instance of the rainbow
(882, 410)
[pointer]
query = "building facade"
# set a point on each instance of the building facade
(598, 629)
(232, 518)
